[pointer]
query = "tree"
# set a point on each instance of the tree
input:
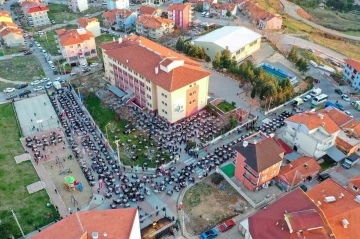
(187, 47)
(293, 57)
(302, 65)
(217, 61)
(228, 13)
(225, 59)
(180, 44)
(253, 93)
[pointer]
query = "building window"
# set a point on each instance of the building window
(149, 97)
(253, 43)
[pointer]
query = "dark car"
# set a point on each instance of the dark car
(340, 106)
(24, 93)
(303, 187)
(10, 97)
(21, 86)
(26, 53)
(338, 91)
(324, 176)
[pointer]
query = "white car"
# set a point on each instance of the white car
(35, 82)
(345, 97)
(44, 80)
(57, 79)
(38, 88)
(307, 98)
(9, 90)
(84, 65)
(48, 85)
(94, 64)
(348, 113)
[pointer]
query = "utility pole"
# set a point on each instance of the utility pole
(17, 222)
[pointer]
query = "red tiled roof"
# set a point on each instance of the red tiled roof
(296, 171)
(110, 16)
(5, 14)
(8, 30)
(153, 22)
(304, 220)
(117, 223)
(33, 6)
(75, 36)
(179, 6)
(83, 21)
(286, 147)
(355, 181)
(148, 10)
(344, 207)
(8, 24)
(270, 223)
(230, 7)
(313, 120)
(133, 53)
(338, 116)
(353, 63)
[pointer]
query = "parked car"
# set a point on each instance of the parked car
(94, 64)
(340, 106)
(73, 74)
(26, 53)
(350, 160)
(338, 91)
(10, 97)
(35, 82)
(303, 187)
(24, 93)
(212, 233)
(348, 113)
(345, 97)
(44, 80)
(21, 86)
(84, 65)
(307, 98)
(48, 85)
(323, 176)
(9, 90)
(38, 88)
(227, 225)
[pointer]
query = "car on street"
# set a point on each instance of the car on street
(43, 80)
(35, 82)
(340, 106)
(22, 86)
(24, 93)
(9, 90)
(323, 176)
(303, 187)
(84, 65)
(227, 225)
(57, 78)
(26, 53)
(61, 81)
(212, 233)
(338, 91)
(38, 88)
(48, 85)
(311, 50)
(94, 64)
(307, 98)
(345, 97)
(53, 21)
(348, 113)
(10, 97)
(73, 74)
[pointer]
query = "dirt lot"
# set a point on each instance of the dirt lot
(205, 195)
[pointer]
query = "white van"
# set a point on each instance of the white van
(319, 99)
(203, 14)
(313, 63)
(315, 92)
(207, 14)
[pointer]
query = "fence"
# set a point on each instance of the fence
(17, 119)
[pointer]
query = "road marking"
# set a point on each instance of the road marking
(189, 161)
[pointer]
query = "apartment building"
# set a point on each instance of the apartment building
(122, 19)
(5, 16)
(90, 24)
(153, 27)
(78, 5)
(10, 33)
(36, 13)
(258, 160)
(182, 14)
(222, 9)
(76, 45)
(351, 73)
(155, 2)
(117, 4)
(147, 10)
(155, 77)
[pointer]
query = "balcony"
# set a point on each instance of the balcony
(247, 168)
(248, 178)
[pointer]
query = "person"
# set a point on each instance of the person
(56, 191)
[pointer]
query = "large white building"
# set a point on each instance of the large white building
(117, 4)
(240, 41)
(78, 5)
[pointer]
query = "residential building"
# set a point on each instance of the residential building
(76, 45)
(222, 9)
(351, 73)
(240, 41)
(354, 185)
(155, 77)
(90, 24)
(78, 5)
(35, 13)
(258, 160)
(312, 134)
(147, 10)
(348, 139)
(182, 14)
(117, 4)
(153, 27)
(298, 171)
(293, 216)
(340, 207)
(115, 223)
(5, 16)
(122, 19)
(260, 17)
(12, 36)
(204, 4)
(155, 2)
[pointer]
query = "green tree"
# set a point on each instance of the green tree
(217, 61)
(302, 65)
(253, 93)
(228, 13)
(225, 59)
(187, 47)
(207, 58)
(293, 56)
(180, 44)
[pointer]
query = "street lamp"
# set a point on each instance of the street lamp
(118, 150)
(107, 131)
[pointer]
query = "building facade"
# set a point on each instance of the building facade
(76, 45)
(90, 24)
(5, 16)
(122, 19)
(10, 33)
(240, 41)
(117, 4)
(258, 160)
(78, 5)
(153, 27)
(155, 77)
(351, 73)
(36, 13)
(181, 14)
(155, 2)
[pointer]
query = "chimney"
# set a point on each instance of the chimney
(120, 40)
(94, 235)
(318, 203)
(245, 143)
(323, 124)
(291, 165)
(341, 195)
(320, 116)
(345, 223)
(127, 61)
(305, 165)
(156, 70)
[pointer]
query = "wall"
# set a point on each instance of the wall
(210, 48)
(269, 173)
(248, 51)
(94, 28)
(82, 5)
(274, 23)
(13, 40)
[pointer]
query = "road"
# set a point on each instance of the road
(291, 8)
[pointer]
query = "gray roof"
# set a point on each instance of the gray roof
(292, 156)
(119, 93)
(335, 154)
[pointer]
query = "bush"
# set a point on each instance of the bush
(217, 178)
